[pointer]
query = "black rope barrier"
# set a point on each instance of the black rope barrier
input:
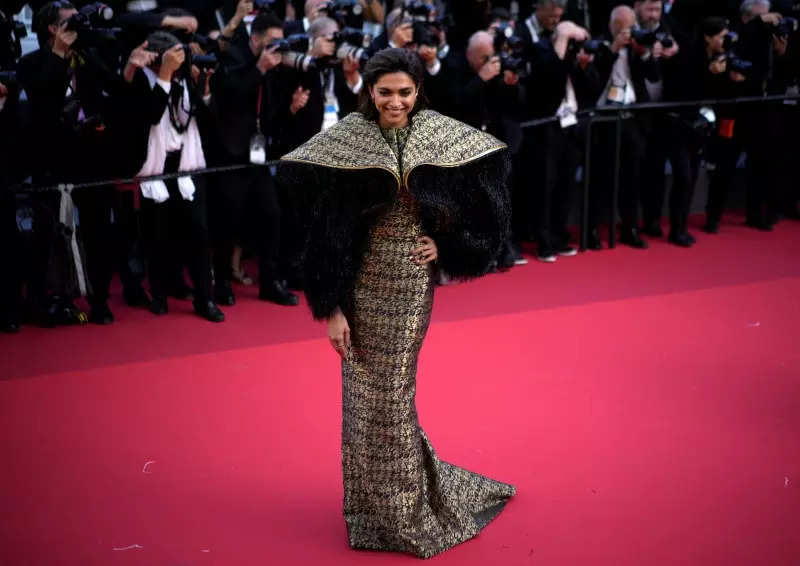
(589, 114)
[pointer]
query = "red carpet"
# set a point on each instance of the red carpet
(645, 404)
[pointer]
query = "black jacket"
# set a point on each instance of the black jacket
(308, 121)
(236, 92)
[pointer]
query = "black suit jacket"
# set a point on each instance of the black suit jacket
(236, 92)
(308, 120)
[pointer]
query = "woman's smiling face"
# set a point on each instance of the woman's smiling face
(394, 95)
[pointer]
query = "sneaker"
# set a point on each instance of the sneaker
(521, 260)
(567, 251)
(546, 256)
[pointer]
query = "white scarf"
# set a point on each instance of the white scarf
(165, 138)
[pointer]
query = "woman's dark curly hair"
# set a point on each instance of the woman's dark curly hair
(391, 60)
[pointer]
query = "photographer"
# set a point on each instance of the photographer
(330, 88)
(72, 87)
(624, 69)
(12, 153)
(719, 80)
(249, 104)
(165, 100)
(764, 39)
(491, 100)
(669, 134)
(563, 81)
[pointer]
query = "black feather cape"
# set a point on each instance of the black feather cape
(347, 177)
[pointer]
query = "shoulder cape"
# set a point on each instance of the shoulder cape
(357, 143)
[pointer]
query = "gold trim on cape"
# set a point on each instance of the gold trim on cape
(434, 139)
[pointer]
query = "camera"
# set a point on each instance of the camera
(293, 51)
(786, 27)
(93, 25)
(204, 62)
(729, 40)
(297, 42)
(590, 46)
(647, 38)
(350, 41)
(8, 78)
(418, 10)
(515, 64)
(264, 5)
(738, 65)
(425, 34)
(11, 33)
(349, 13)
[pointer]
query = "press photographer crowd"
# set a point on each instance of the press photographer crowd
(157, 89)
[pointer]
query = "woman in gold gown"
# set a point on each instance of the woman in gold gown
(373, 241)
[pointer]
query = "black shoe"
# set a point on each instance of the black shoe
(546, 255)
(759, 224)
(652, 229)
(630, 237)
(275, 291)
(209, 311)
(158, 305)
(566, 250)
(594, 242)
(681, 240)
(223, 294)
(101, 314)
(9, 326)
(136, 296)
(692, 239)
(711, 227)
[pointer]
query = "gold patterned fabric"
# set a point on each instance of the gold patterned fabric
(398, 495)
(433, 139)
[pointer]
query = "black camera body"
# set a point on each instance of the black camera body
(349, 13)
(265, 5)
(296, 42)
(11, 33)
(729, 40)
(514, 63)
(205, 62)
(589, 46)
(786, 27)
(648, 38)
(8, 78)
(738, 65)
(350, 41)
(419, 10)
(93, 24)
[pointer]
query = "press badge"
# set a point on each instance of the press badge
(566, 116)
(331, 115)
(616, 94)
(258, 149)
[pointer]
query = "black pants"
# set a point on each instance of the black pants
(724, 154)
(11, 260)
(175, 226)
(97, 232)
(246, 198)
(631, 161)
(673, 140)
(758, 129)
(557, 161)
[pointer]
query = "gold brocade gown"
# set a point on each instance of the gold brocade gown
(398, 495)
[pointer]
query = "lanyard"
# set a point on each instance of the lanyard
(258, 109)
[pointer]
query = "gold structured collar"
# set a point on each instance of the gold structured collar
(434, 139)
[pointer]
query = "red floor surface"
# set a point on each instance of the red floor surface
(645, 404)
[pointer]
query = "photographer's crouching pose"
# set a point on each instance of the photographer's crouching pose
(166, 98)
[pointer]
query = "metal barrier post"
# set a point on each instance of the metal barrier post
(583, 230)
(612, 215)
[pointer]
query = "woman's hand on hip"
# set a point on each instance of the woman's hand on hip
(426, 252)
(339, 333)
